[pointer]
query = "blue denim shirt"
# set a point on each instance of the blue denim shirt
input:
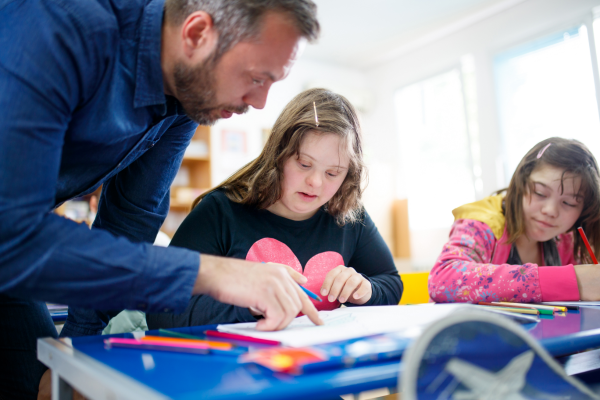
(82, 104)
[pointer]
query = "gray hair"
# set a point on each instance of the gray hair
(239, 20)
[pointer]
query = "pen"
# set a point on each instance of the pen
(305, 290)
(243, 338)
(587, 244)
(310, 294)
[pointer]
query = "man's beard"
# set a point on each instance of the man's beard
(196, 92)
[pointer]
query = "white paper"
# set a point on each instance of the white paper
(350, 322)
(572, 303)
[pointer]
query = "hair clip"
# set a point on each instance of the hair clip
(316, 118)
(541, 152)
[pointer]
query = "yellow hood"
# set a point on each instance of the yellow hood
(488, 211)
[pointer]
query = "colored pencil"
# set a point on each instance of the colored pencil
(233, 336)
(305, 290)
(567, 306)
(169, 333)
(150, 345)
(310, 294)
(546, 310)
(587, 244)
(209, 343)
(514, 310)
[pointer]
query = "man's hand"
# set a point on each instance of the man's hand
(272, 289)
(588, 281)
(345, 284)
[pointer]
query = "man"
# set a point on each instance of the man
(106, 92)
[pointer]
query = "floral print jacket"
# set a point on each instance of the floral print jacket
(472, 266)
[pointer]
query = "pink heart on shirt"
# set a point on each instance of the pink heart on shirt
(272, 250)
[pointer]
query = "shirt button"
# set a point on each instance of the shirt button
(142, 306)
(167, 310)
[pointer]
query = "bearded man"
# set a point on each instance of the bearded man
(109, 92)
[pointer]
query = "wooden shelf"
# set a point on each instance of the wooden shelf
(195, 158)
(196, 179)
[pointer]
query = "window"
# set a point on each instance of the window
(436, 167)
(546, 88)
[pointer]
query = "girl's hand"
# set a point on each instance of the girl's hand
(588, 281)
(345, 284)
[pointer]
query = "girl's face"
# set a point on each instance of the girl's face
(549, 211)
(311, 179)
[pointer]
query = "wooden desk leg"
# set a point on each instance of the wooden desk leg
(61, 390)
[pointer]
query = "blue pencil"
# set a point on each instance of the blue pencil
(310, 294)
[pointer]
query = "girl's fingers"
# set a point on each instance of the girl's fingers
(363, 290)
(339, 282)
(330, 278)
(351, 285)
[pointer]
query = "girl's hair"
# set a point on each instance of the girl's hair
(572, 157)
(258, 183)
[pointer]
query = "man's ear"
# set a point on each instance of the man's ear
(198, 35)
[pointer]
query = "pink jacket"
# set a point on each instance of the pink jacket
(472, 266)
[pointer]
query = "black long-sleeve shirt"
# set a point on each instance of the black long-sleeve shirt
(219, 226)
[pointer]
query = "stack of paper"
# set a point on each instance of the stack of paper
(351, 322)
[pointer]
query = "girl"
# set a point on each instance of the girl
(298, 204)
(522, 247)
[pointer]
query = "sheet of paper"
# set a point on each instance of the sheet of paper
(350, 322)
(572, 303)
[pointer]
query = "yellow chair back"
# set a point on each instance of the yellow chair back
(415, 288)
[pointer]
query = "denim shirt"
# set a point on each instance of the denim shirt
(82, 104)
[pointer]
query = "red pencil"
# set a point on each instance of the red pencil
(234, 336)
(587, 244)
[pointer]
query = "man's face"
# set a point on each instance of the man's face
(242, 76)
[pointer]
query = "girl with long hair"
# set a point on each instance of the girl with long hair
(298, 204)
(520, 245)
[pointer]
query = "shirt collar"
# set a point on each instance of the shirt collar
(149, 88)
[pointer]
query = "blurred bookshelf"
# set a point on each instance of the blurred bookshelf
(192, 179)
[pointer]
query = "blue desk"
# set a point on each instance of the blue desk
(126, 373)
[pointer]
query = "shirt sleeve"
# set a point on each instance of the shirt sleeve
(43, 256)
(134, 204)
(206, 230)
(373, 260)
(463, 273)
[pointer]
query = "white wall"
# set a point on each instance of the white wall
(373, 90)
(523, 22)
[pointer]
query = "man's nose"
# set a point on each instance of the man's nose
(257, 97)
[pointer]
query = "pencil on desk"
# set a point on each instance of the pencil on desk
(546, 310)
(234, 336)
(516, 310)
(211, 344)
(587, 244)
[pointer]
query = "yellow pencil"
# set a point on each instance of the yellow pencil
(515, 310)
(533, 305)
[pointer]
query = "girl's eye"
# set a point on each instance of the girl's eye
(332, 175)
(539, 194)
(304, 165)
(570, 205)
(257, 82)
